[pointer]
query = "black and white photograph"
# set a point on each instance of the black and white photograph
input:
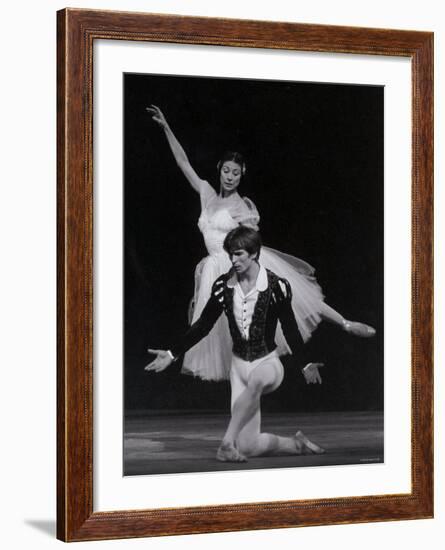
(223, 267)
(253, 269)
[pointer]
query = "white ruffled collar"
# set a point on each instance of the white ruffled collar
(261, 283)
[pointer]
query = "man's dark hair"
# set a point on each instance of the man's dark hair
(243, 238)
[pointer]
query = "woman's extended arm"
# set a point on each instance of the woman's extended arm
(178, 152)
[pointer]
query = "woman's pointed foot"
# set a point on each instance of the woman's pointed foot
(358, 329)
(305, 446)
(229, 453)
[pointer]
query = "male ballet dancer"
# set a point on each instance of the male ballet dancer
(253, 299)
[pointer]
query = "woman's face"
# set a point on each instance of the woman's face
(229, 177)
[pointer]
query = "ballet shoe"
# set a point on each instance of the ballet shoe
(358, 329)
(307, 447)
(229, 453)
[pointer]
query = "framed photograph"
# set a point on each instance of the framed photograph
(244, 275)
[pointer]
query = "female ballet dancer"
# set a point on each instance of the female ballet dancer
(220, 213)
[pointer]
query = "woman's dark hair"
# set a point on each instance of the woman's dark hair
(234, 157)
(243, 238)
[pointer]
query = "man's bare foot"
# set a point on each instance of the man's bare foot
(305, 446)
(229, 453)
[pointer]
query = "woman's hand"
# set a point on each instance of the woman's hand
(176, 148)
(157, 115)
(162, 361)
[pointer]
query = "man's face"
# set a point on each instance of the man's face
(242, 261)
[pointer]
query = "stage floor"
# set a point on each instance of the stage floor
(187, 442)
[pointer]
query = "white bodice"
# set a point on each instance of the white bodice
(221, 215)
(214, 228)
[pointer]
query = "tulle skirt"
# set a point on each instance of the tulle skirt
(210, 359)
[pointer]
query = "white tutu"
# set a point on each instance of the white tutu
(210, 358)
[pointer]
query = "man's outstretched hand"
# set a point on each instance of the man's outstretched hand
(162, 361)
(311, 374)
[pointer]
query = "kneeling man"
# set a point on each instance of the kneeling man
(254, 300)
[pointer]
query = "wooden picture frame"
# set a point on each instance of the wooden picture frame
(77, 31)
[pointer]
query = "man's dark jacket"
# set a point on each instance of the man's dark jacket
(273, 305)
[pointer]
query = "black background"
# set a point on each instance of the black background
(314, 155)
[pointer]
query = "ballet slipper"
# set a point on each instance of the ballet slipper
(358, 329)
(305, 446)
(229, 453)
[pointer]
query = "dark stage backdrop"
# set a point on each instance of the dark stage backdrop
(314, 157)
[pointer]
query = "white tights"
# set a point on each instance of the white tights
(249, 381)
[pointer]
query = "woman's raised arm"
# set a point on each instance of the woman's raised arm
(178, 152)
